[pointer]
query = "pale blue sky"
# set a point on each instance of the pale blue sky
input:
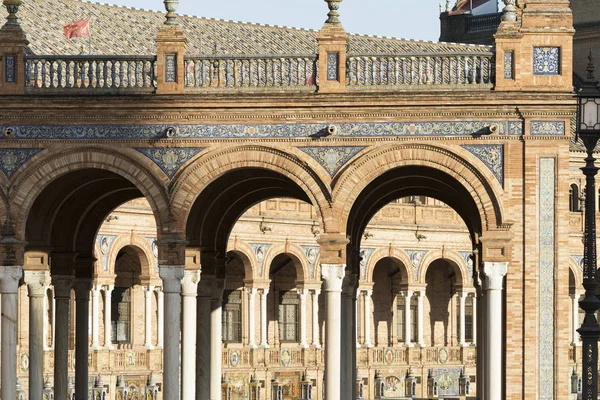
(412, 19)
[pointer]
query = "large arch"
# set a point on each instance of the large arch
(244, 252)
(396, 254)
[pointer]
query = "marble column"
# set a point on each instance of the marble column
(348, 340)
(407, 319)
(494, 274)
(368, 316)
(203, 319)
(148, 291)
(95, 317)
(474, 323)
(53, 319)
(171, 276)
(252, 317)
(303, 294)
(45, 323)
(575, 319)
(37, 282)
(356, 333)
(160, 329)
(189, 291)
(315, 319)
(420, 327)
(462, 299)
(82, 313)
(62, 296)
(9, 287)
(216, 339)
(107, 316)
(333, 275)
(264, 327)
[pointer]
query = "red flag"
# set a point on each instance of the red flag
(78, 29)
(463, 6)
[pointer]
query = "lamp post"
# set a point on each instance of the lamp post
(588, 130)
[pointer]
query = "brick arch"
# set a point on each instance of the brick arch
(39, 174)
(394, 253)
(576, 271)
(448, 255)
(142, 248)
(458, 163)
(211, 165)
(293, 250)
(246, 254)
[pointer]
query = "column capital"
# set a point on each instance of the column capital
(62, 286)
(349, 284)
(463, 294)
(108, 288)
(82, 288)
(9, 279)
(37, 282)
(317, 292)
(189, 283)
(333, 274)
(494, 273)
(265, 291)
(171, 276)
(148, 289)
(218, 288)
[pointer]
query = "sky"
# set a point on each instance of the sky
(410, 19)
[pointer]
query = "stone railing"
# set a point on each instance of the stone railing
(484, 23)
(97, 74)
(382, 356)
(214, 73)
(373, 72)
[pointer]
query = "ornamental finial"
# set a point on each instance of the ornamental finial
(510, 12)
(334, 16)
(12, 6)
(590, 67)
(171, 6)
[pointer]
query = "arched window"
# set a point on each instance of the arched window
(288, 317)
(121, 315)
(232, 316)
(469, 319)
(414, 320)
(574, 198)
(400, 318)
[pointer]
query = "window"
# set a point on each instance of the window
(121, 315)
(469, 319)
(288, 317)
(232, 316)
(400, 317)
(574, 198)
(414, 319)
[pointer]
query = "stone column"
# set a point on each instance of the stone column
(348, 341)
(264, 327)
(252, 317)
(107, 316)
(303, 294)
(62, 296)
(53, 319)
(45, 322)
(494, 274)
(356, 333)
(462, 298)
(315, 319)
(160, 329)
(333, 275)
(368, 315)
(9, 287)
(95, 317)
(474, 323)
(420, 299)
(575, 319)
(37, 282)
(82, 313)
(189, 286)
(171, 276)
(148, 290)
(203, 319)
(216, 338)
(407, 319)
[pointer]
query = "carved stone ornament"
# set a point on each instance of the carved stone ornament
(171, 276)
(334, 16)
(171, 7)
(494, 273)
(9, 279)
(12, 6)
(510, 11)
(37, 282)
(189, 283)
(333, 275)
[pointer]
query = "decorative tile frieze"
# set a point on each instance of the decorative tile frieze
(509, 57)
(13, 159)
(579, 261)
(312, 254)
(332, 66)
(169, 160)
(105, 242)
(365, 255)
(154, 247)
(447, 379)
(547, 128)
(260, 251)
(332, 158)
(547, 248)
(10, 69)
(416, 258)
(515, 128)
(546, 60)
(492, 155)
(171, 68)
(468, 257)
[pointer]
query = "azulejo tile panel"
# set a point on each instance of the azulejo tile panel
(365, 255)
(332, 158)
(312, 253)
(547, 206)
(509, 64)
(171, 68)
(468, 257)
(13, 159)
(105, 242)
(547, 128)
(492, 155)
(332, 66)
(416, 257)
(515, 128)
(169, 160)
(546, 60)
(152, 242)
(579, 261)
(260, 251)
(10, 69)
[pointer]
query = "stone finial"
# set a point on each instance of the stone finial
(171, 6)
(12, 6)
(510, 11)
(591, 68)
(448, 6)
(334, 16)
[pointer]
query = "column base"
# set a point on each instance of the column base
(252, 345)
(149, 347)
(422, 344)
(111, 347)
(409, 344)
(316, 346)
(95, 347)
(304, 346)
(369, 346)
(265, 346)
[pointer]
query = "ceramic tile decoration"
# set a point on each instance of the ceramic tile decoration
(365, 254)
(105, 242)
(9, 69)
(509, 64)
(416, 257)
(492, 155)
(468, 257)
(332, 66)
(312, 254)
(260, 251)
(515, 128)
(548, 128)
(546, 60)
(332, 158)
(171, 68)
(13, 159)
(169, 160)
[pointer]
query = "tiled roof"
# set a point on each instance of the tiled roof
(129, 31)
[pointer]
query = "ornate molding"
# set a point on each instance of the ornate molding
(494, 273)
(37, 282)
(547, 128)
(169, 160)
(14, 158)
(189, 283)
(333, 276)
(171, 276)
(332, 158)
(492, 155)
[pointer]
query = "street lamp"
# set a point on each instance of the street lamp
(588, 130)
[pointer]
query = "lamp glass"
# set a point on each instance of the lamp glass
(590, 113)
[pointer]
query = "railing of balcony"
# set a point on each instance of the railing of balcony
(372, 72)
(97, 74)
(216, 73)
(484, 23)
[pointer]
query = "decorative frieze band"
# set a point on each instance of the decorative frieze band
(547, 128)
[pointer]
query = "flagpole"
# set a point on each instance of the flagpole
(90, 36)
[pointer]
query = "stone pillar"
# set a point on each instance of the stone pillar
(368, 315)
(420, 299)
(348, 341)
(216, 338)
(407, 319)
(95, 317)
(53, 319)
(303, 294)
(333, 275)
(474, 323)
(494, 274)
(62, 296)
(160, 329)
(203, 337)
(575, 319)
(9, 287)
(252, 317)
(315, 319)
(189, 286)
(171, 276)
(37, 282)
(462, 298)
(82, 313)
(107, 316)
(148, 290)
(264, 327)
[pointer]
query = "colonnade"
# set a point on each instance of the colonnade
(182, 293)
